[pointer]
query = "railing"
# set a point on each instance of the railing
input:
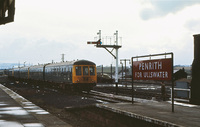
(180, 99)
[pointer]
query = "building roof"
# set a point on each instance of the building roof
(7, 11)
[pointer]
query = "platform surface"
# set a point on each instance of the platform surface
(159, 113)
(16, 111)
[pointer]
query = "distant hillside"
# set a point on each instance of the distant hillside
(8, 65)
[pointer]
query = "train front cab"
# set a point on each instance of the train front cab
(84, 76)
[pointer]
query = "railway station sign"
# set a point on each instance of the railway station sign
(160, 69)
(157, 69)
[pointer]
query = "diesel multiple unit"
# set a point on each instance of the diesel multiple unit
(78, 74)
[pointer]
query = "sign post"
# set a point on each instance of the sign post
(160, 69)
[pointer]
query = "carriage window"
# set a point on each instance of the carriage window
(78, 70)
(92, 71)
(85, 70)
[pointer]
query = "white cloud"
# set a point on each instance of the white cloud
(43, 30)
(163, 7)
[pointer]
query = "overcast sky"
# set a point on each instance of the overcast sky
(45, 29)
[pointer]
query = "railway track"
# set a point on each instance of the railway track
(138, 92)
(112, 98)
(105, 97)
(107, 94)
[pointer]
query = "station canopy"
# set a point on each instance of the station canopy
(7, 11)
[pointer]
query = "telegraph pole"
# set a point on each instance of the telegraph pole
(125, 60)
(24, 63)
(122, 71)
(63, 57)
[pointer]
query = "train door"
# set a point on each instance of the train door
(76, 74)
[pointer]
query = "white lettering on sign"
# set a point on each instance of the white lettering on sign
(150, 66)
(159, 74)
(138, 74)
(157, 69)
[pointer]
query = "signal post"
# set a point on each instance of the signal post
(115, 46)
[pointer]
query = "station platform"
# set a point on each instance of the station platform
(16, 111)
(158, 113)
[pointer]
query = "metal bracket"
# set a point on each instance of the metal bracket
(109, 46)
(110, 52)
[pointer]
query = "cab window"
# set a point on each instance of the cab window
(92, 71)
(85, 70)
(78, 70)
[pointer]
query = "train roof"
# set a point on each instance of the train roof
(26, 67)
(78, 62)
(37, 66)
(16, 68)
(60, 64)
(84, 62)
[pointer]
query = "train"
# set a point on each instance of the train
(79, 74)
